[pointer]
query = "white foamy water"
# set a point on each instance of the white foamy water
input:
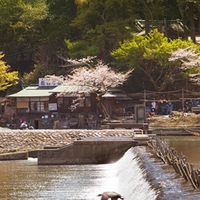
(132, 178)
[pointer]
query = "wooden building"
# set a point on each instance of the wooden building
(117, 103)
(31, 104)
(49, 106)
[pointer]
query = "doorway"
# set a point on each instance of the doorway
(36, 125)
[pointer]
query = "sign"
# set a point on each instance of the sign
(140, 113)
(50, 81)
(52, 106)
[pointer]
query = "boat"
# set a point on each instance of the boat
(195, 132)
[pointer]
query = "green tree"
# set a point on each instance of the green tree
(104, 23)
(57, 25)
(81, 49)
(29, 25)
(7, 78)
(35, 31)
(148, 55)
(32, 77)
(21, 29)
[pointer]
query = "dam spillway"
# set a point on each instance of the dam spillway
(89, 151)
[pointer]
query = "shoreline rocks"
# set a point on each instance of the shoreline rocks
(24, 140)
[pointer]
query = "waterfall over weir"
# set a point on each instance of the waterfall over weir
(138, 175)
(132, 177)
(142, 177)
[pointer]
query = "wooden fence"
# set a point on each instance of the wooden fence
(169, 156)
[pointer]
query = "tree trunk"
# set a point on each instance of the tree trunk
(199, 24)
(192, 24)
(101, 107)
(181, 10)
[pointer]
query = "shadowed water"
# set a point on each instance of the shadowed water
(138, 175)
(187, 145)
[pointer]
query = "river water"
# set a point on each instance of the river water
(138, 175)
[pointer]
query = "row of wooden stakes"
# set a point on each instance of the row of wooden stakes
(169, 156)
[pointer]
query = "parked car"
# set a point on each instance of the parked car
(196, 103)
(195, 108)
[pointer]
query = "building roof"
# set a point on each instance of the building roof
(71, 89)
(38, 91)
(116, 93)
(34, 91)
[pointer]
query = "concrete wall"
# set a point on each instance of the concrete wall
(91, 151)
(14, 156)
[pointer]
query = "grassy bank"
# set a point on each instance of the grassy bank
(178, 119)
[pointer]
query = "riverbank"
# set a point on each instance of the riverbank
(12, 140)
(29, 140)
(176, 119)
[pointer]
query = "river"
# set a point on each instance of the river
(138, 175)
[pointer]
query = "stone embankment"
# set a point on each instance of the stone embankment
(26, 140)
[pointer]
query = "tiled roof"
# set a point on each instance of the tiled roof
(33, 91)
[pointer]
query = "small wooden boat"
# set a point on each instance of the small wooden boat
(195, 132)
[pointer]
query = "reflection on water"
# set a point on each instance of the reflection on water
(21, 180)
(187, 145)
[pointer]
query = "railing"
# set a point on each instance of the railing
(196, 109)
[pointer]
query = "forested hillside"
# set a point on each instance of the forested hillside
(36, 37)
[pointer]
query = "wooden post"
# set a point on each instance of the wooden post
(180, 165)
(182, 99)
(145, 97)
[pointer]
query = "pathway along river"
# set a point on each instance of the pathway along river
(138, 175)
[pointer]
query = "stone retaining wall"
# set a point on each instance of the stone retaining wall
(23, 140)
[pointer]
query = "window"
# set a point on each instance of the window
(60, 102)
(22, 110)
(37, 106)
(67, 102)
(81, 103)
(87, 102)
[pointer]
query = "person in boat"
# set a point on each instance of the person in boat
(110, 195)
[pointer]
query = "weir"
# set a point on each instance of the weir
(90, 151)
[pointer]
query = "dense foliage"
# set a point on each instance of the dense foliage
(36, 34)
(149, 56)
(7, 78)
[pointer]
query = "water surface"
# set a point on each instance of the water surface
(187, 145)
(138, 175)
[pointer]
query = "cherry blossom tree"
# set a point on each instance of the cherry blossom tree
(97, 80)
(188, 58)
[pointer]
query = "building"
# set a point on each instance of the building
(47, 105)
(50, 105)
(117, 103)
